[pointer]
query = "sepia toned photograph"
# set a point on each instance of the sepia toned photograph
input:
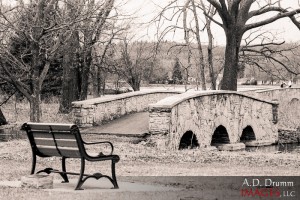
(149, 99)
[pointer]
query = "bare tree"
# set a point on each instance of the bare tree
(78, 57)
(234, 15)
(199, 47)
(104, 53)
(187, 41)
(136, 58)
(188, 26)
(35, 24)
(92, 29)
(210, 11)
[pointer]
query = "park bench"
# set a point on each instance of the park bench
(65, 141)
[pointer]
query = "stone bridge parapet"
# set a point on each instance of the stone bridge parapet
(280, 94)
(289, 104)
(95, 111)
(206, 114)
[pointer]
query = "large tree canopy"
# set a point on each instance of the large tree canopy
(237, 17)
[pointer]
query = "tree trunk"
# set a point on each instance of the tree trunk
(211, 68)
(35, 99)
(233, 39)
(96, 81)
(70, 63)
(103, 82)
(208, 20)
(98, 77)
(187, 43)
(2, 118)
(135, 83)
(70, 84)
(210, 55)
(70, 91)
(85, 70)
(35, 108)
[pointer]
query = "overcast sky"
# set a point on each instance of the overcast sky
(145, 10)
(284, 28)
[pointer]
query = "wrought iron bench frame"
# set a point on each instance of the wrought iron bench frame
(65, 141)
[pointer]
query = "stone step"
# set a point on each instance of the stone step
(37, 181)
(230, 147)
(258, 143)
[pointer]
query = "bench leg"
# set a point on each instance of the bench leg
(64, 175)
(33, 163)
(113, 172)
(80, 180)
(97, 176)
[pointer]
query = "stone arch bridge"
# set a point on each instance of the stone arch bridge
(226, 119)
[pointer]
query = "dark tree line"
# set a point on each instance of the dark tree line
(60, 48)
(46, 42)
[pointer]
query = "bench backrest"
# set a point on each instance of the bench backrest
(49, 139)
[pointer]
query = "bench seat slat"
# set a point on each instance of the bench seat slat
(63, 151)
(49, 135)
(66, 143)
(59, 142)
(48, 150)
(44, 142)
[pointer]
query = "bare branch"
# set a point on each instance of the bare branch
(283, 13)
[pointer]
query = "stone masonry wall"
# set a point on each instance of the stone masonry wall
(96, 111)
(281, 94)
(203, 112)
(289, 104)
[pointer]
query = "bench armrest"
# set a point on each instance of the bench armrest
(107, 142)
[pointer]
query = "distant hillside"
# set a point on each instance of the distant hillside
(168, 51)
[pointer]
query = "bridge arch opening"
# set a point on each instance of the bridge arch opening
(188, 141)
(220, 136)
(247, 134)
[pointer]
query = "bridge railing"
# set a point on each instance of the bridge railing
(289, 105)
(96, 111)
